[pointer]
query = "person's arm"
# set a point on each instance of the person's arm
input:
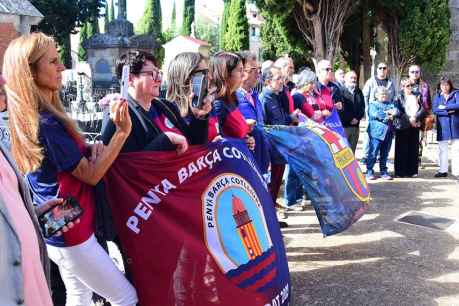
(360, 113)
(91, 172)
(436, 110)
(453, 106)
(366, 92)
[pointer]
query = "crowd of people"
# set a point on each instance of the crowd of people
(50, 151)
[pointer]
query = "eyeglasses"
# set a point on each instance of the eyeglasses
(253, 69)
(382, 68)
(156, 75)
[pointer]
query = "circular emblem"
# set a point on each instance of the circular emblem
(235, 228)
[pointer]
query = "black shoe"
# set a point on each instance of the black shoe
(441, 174)
(283, 224)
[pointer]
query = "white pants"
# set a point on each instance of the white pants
(443, 156)
(86, 268)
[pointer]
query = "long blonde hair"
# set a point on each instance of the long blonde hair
(26, 100)
(178, 77)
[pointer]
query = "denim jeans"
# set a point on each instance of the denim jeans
(382, 147)
(293, 188)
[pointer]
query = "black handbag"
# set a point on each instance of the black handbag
(401, 122)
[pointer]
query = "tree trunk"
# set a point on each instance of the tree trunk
(319, 45)
(366, 41)
(65, 52)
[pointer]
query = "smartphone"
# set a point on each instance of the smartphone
(199, 87)
(125, 81)
(55, 218)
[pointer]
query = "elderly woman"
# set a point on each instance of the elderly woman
(407, 126)
(446, 107)
(49, 148)
(309, 100)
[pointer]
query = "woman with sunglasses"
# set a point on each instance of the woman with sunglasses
(157, 125)
(407, 126)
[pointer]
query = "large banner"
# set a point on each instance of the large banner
(328, 170)
(198, 229)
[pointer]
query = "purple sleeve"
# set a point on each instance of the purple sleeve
(59, 147)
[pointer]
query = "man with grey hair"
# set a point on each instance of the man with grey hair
(285, 64)
(353, 108)
(251, 108)
(339, 77)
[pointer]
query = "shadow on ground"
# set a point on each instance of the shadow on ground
(379, 261)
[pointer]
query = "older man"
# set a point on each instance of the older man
(325, 85)
(251, 108)
(353, 108)
(275, 114)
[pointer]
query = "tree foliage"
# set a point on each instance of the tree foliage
(111, 12)
(209, 33)
(106, 18)
(237, 33)
(418, 32)
(224, 23)
(151, 21)
(188, 16)
(279, 37)
(62, 18)
(319, 21)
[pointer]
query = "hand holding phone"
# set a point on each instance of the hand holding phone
(57, 217)
(199, 85)
(125, 81)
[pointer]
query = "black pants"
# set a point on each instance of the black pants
(406, 152)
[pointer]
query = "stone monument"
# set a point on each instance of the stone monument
(104, 49)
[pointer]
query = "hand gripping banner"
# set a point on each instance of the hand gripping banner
(329, 173)
(198, 229)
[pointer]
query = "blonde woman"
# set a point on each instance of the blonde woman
(49, 148)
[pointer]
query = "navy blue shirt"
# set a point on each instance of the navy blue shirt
(61, 155)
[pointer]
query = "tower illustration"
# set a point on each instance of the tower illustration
(245, 228)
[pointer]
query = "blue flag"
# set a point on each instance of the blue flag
(329, 173)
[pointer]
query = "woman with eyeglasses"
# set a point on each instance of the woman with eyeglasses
(407, 124)
(157, 124)
(49, 148)
(446, 107)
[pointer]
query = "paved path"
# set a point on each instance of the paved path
(380, 261)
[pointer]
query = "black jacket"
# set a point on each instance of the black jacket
(353, 106)
(146, 136)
